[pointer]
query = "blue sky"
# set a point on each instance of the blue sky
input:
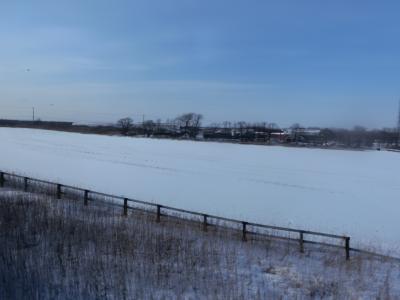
(327, 63)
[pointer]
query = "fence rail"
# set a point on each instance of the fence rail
(247, 229)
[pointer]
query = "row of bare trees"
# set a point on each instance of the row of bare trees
(357, 137)
(187, 125)
(361, 137)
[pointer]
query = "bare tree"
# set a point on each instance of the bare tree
(296, 126)
(148, 127)
(226, 124)
(242, 125)
(327, 135)
(190, 123)
(295, 131)
(358, 136)
(273, 126)
(125, 125)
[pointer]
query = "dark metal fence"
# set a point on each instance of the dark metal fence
(246, 229)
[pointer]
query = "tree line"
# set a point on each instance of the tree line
(189, 125)
(185, 125)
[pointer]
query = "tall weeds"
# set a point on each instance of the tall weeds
(60, 249)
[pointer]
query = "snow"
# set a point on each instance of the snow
(97, 263)
(342, 192)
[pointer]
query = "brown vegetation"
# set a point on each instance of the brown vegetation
(60, 249)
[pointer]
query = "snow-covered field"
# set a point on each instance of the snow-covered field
(343, 192)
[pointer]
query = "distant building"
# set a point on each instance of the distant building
(304, 135)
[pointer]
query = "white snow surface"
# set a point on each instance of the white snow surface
(342, 192)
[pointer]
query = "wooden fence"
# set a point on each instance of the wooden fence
(246, 229)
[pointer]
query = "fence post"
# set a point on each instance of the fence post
(2, 179)
(125, 207)
(347, 248)
(158, 213)
(59, 191)
(25, 184)
(244, 231)
(205, 224)
(86, 198)
(301, 242)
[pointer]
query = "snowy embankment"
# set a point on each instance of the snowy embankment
(57, 249)
(342, 192)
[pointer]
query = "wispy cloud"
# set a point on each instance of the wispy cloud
(276, 61)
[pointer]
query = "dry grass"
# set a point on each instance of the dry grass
(59, 249)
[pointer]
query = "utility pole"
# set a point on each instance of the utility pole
(143, 119)
(33, 114)
(398, 127)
